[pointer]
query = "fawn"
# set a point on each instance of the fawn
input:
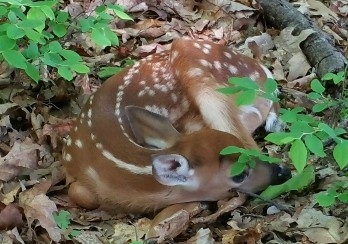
(151, 136)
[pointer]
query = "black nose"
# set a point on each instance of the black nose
(280, 174)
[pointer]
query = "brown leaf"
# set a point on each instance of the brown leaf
(37, 206)
(23, 154)
(10, 217)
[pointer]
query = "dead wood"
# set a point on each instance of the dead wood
(318, 47)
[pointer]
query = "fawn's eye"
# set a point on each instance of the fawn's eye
(241, 177)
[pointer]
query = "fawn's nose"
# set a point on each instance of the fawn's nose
(280, 174)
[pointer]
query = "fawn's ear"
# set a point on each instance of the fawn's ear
(150, 129)
(172, 170)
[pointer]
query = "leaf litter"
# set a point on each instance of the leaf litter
(34, 120)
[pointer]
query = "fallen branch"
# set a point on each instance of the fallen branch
(318, 47)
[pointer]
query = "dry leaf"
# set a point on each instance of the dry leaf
(203, 236)
(10, 217)
(37, 206)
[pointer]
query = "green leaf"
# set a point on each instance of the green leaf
(34, 35)
(340, 154)
(62, 17)
(231, 150)
(80, 68)
(52, 59)
(15, 59)
(298, 155)
(65, 72)
(344, 196)
(112, 37)
(324, 199)
(59, 30)
(280, 138)
(122, 15)
(3, 11)
(48, 12)
(106, 72)
(6, 43)
(86, 24)
(296, 183)
(328, 130)
(55, 47)
(32, 72)
(237, 168)
(99, 38)
(62, 219)
(315, 145)
(246, 97)
(75, 233)
(32, 51)
(14, 32)
(317, 86)
(270, 85)
(314, 95)
(290, 116)
(301, 127)
(320, 107)
(244, 82)
(70, 55)
(229, 90)
(36, 14)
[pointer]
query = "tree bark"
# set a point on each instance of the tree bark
(319, 48)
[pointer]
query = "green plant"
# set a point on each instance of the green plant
(108, 71)
(63, 221)
(324, 102)
(339, 191)
(305, 135)
(247, 157)
(30, 34)
(247, 89)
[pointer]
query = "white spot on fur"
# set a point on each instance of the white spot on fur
(67, 157)
(89, 122)
(174, 97)
(127, 166)
(99, 145)
(206, 50)
(82, 115)
(93, 137)
(254, 76)
(233, 69)
(75, 128)
(196, 45)
(89, 114)
(193, 72)
(217, 65)
(174, 55)
(228, 55)
(78, 143)
(158, 110)
(206, 45)
(91, 100)
(205, 63)
(68, 141)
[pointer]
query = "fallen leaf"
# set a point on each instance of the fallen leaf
(203, 236)
(37, 206)
(10, 217)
